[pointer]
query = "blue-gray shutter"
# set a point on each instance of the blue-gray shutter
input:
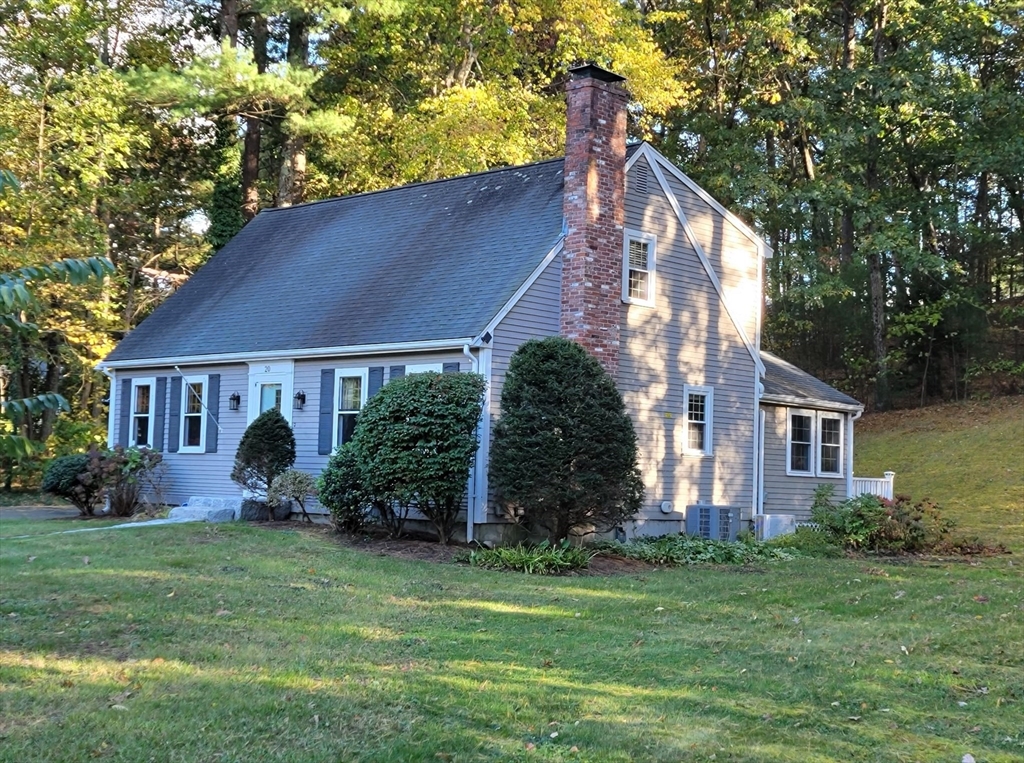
(396, 372)
(326, 433)
(376, 381)
(174, 418)
(451, 368)
(159, 403)
(125, 413)
(213, 412)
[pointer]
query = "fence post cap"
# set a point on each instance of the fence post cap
(890, 475)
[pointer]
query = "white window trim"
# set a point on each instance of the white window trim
(709, 413)
(339, 374)
(423, 368)
(149, 381)
(652, 261)
(790, 413)
(842, 443)
(203, 379)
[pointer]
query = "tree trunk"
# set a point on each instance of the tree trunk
(228, 19)
(254, 128)
(292, 180)
(877, 289)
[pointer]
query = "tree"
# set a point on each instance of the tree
(416, 440)
(266, 450)
(564, 453)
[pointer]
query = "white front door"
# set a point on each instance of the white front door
(270, 386)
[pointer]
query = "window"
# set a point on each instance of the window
(830, 445)
(801, 437)
(814, 441)
(193, 414)
(638, 258)
(143, 415)
(350, 395)
(699, 407)
(270, 396)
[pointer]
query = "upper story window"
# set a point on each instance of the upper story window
(638, 267)
(699, 403)
(350, 396)
(193, 414)
(814, 443)
(143, 416)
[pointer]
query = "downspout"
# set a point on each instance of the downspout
(471, 489)
(112, 406)
(760, 461)
(849, 452)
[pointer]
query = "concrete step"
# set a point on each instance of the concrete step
(208, 509)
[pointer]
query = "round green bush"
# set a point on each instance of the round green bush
(75, 478)
(266, 450)
(339, 489)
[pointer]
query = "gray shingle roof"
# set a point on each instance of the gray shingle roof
(421, 262)
(785, 382)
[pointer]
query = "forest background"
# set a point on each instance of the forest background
(877, 145)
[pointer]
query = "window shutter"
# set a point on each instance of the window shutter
(213, 412)
(451, 368)
(174, 418)
(125, 418)
(396, 372)
(159, 403)
(326, 432)
(376, 381)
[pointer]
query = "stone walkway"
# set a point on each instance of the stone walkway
(37, 512)
(50, 512)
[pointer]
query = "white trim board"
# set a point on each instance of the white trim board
(654, 157)
(674, 203)
(301, 353)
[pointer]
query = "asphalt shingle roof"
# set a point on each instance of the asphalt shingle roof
(421, 262)
(785, 381)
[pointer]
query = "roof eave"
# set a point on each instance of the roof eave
(809, 402)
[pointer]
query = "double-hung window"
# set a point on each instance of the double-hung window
(194, 392)
(814, 444)
(698, 405)
(638, 267)
(143, 416)
(350, 396)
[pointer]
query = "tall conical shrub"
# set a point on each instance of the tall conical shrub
(267, 449)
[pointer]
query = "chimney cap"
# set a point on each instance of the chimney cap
(593, 71)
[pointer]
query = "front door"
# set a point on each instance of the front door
(270, 386)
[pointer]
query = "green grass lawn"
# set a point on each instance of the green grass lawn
(968, 457)
(237, 643)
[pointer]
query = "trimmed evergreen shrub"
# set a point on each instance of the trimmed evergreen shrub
(61, 479)
(564, 453)
(415, 443)
(267, 449)
(339, 488)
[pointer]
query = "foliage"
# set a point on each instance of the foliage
(128, 473)
(77, 479)
(808, 541)
(292, 485)
(564, 453)
(339, 489)
(415, 442)
(541, 559)
(678, 550)
(267, 449)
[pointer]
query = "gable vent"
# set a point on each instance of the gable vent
(640, 177)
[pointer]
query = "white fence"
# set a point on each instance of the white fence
(880, 486)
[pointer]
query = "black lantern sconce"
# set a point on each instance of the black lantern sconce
(234, 401)
(300, 400)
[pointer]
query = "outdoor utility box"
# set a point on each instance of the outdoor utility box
(773, 525)
(715, 522)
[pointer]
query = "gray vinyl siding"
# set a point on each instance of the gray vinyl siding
(687, 337)
(733, 256)
(535, 316)
(199, 474)
(785, 494)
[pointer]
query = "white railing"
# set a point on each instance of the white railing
(880, 486)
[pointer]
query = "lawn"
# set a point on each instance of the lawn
(237, 643)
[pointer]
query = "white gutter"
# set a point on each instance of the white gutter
(112, 406)
(807, 402)
(311, 352)
(849, 451)
(475, 475)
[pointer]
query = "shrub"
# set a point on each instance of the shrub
(677, 550)
(542, 559)
(564, 454)
(127, 472)
(415, 443)
(266, 450)
(80, 479)
(339, 488)
(292, 485)
(808, 541)
(869, 523)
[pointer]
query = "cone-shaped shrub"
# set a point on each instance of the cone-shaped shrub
(564, 454)
(267, 449)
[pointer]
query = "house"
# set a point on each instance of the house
(312, 308)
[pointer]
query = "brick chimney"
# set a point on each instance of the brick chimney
(592, 203)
